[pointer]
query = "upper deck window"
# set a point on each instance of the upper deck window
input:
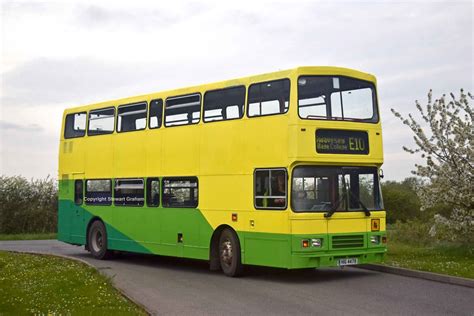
(224, 104)
(183, 110)
(338, 98)
(156, 113)
(131, 117)
(268, 98)
(101, 121)
(75, 125)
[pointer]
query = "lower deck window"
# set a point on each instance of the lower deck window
(180, 192)
(99, 192)
(153, 192)
(270, 188)
(129, 192)
(78, 192)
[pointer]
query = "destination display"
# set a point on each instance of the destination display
(330, 141)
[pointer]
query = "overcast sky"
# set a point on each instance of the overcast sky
(61, 54)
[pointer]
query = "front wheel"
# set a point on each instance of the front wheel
(97, 241)
(229, 253)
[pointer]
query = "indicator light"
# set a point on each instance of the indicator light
(305, 243)
(234, 217)
(384, 239)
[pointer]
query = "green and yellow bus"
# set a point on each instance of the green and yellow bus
(279, 170)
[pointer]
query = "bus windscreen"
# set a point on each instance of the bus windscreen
(344, 189)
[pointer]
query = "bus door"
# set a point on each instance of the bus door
(77, 211)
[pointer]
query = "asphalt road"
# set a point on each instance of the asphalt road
(177, 286)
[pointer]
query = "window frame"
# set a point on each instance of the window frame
(182, 96)
(263, 82)
(101, 109)
(179, 179)
(162, 113)
(148, 191)
(375, 105)
(111, 192)
(255, 189)
(217, 90)
(128, 205)
(85, 127)
(81, 181)
(128, 105)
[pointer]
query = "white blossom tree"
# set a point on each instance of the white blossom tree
(444, 137)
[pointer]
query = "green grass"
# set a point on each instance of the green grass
(27, 236)
(452, 260)
(47, 285)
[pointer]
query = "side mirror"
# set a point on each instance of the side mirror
(381, 173)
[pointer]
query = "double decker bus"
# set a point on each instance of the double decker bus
(279, 170)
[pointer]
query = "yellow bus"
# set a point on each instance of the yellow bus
(278, 169)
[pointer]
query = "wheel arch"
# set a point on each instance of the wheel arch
(214, 262)
(91, 221)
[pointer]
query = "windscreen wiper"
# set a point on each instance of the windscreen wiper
(334, 208)
(366, 210)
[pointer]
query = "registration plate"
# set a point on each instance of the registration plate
(347, 262)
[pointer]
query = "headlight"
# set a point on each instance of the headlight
(375, 240)
(316, 242)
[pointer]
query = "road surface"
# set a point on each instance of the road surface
(178, 286)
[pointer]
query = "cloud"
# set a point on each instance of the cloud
(139, 19)
(45, 81)
(20, 128)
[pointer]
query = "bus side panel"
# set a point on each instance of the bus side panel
(264, 249)
(129, 157)
(182, 150)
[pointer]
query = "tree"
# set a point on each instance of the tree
(444, 138)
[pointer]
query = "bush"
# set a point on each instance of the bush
(28, 206)
(412, 232)
(401, 200)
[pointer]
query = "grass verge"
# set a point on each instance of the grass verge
(45, 285)
(27, 236)
(444, 259)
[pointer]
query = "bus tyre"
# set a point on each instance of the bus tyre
(97, 241)
(229, 253)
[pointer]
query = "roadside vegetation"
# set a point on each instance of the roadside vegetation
(28, 206)
(455, 260)
(47, 285)
(39, 236)
(413, 242)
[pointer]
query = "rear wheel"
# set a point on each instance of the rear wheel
(229, 253)
(97, 241)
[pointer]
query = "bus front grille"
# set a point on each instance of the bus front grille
(348, 241)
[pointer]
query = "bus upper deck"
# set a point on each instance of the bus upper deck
(323, 114)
